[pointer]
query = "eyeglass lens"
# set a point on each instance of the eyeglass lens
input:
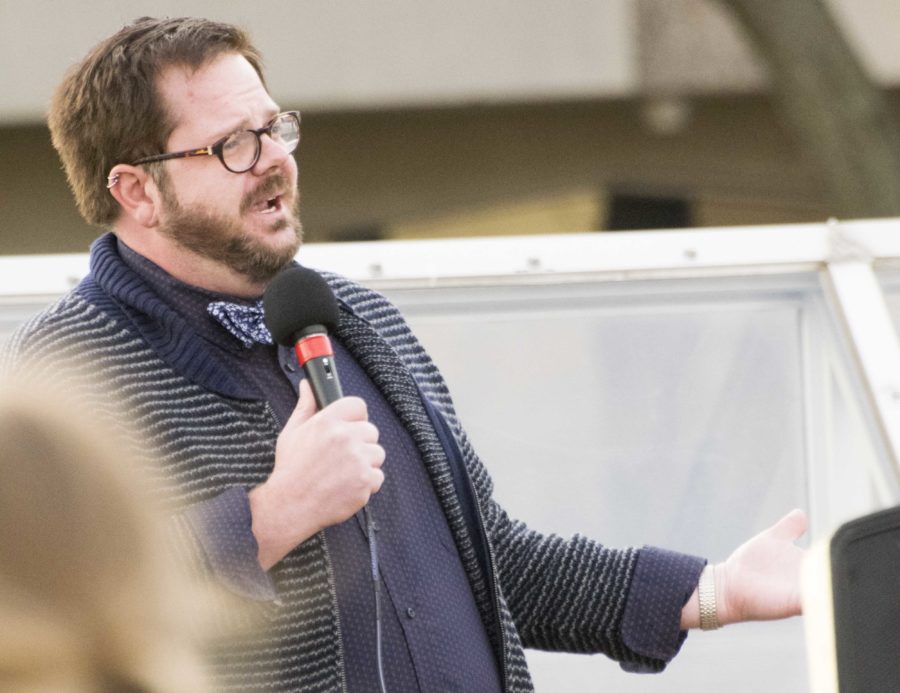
(240, 151)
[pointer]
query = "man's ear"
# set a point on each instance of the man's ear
(136, 193)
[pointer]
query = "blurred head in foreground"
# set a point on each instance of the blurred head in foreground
(90, 600)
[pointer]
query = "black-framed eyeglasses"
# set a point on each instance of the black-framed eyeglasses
(240, 150)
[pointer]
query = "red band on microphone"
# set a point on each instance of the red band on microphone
(311, 347)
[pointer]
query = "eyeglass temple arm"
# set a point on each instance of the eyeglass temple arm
(204, 151)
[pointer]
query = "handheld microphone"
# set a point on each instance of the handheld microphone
(299, 309)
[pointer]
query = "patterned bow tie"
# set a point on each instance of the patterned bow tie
(244, 322)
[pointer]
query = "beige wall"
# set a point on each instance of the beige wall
(523, 168)
(37, 213)
(400, 169)
(359, 54)
(526, 121)
(408, 53)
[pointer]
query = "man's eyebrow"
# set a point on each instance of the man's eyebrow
(224, 132)
(245, 124)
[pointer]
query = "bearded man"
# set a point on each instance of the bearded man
(170, 138)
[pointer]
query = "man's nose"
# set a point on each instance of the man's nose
(271, 155)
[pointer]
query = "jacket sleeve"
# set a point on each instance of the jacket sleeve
(577, 595)
(218, 533)
(212, 537)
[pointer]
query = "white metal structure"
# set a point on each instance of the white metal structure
(682, 389)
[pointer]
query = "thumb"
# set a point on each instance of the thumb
(306, 405)
(791, 527)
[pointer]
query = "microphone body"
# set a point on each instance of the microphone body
(299, 309)
(316, 356)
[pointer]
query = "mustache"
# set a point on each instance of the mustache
(273, 185)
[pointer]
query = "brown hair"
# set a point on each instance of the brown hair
(108, 110)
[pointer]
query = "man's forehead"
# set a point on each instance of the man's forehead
(225, 90)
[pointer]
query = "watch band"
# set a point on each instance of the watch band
(709, 616)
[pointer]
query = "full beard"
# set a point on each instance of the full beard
(223, 239)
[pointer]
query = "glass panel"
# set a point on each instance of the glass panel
(890, 283)
(686, 413)
(670, 413)
(688, 405)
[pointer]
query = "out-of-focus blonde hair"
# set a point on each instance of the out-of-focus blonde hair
(90, 599)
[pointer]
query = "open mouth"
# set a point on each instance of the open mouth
(268, 206)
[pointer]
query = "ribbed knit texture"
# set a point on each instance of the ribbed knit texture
(211, 435)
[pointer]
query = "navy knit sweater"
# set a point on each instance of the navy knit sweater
(213, 434)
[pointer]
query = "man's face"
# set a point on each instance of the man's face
(247, 222)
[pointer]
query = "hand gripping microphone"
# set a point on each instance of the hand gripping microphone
(300, 309)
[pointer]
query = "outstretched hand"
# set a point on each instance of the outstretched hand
(760, 580)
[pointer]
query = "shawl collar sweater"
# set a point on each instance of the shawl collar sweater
(211, 434)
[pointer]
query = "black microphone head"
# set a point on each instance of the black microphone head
(298, 298)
